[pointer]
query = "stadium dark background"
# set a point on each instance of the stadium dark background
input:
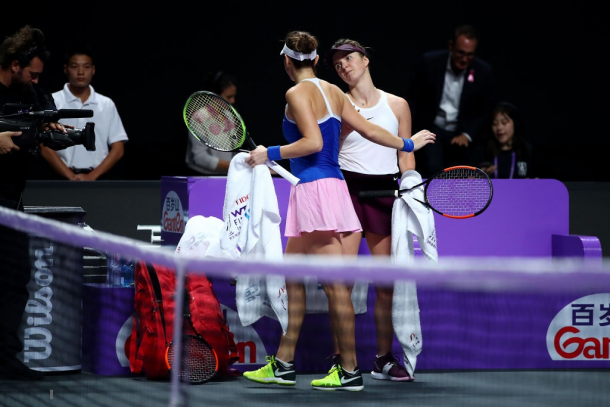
(548, 59)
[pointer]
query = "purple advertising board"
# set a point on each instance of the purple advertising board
(461, 329)
(520, 221)
(107, 324)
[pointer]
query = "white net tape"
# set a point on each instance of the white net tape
(480, 272)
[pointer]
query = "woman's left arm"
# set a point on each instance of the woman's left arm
(299, 107)
(401, 110)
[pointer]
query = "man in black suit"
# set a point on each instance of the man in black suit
(451, 95)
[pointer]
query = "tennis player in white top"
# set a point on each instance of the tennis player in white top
(369, 166)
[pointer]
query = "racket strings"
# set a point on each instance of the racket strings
(459, 191)
(214, 122)
(199, 362)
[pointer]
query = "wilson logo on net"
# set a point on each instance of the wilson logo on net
(581, 330)
(37, 336)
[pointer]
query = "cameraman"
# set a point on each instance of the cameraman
(22, 58)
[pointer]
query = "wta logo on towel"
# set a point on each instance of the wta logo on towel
(239, 216)
(581, 330)
(174, 216)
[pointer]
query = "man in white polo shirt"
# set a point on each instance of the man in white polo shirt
(76, 163)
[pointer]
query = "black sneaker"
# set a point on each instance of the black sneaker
(12, 368)
(386, 367)
(339, 379)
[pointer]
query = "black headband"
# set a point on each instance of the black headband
(344, 47)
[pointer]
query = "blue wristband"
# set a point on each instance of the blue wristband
(274, 153)
(408, 146)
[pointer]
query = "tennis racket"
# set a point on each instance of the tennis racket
(458, 192)
(199, 360)
(215, 123)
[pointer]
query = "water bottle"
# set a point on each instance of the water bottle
(113, 276)
(127, 273)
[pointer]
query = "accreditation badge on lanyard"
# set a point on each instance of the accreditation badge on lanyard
(512, 166)
(521, 168)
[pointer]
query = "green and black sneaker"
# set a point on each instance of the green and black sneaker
(339, 379)
(274, 372)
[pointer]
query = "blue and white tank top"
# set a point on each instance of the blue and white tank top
(324, 164)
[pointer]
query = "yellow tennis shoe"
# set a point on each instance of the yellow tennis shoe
(274, 372)
(339, 379)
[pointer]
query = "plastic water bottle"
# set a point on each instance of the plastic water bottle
(120, 271)
(113, 276)
(127, 273)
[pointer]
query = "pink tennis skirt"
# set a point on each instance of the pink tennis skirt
(324, 204)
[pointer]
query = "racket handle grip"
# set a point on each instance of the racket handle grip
(283, 172)
(378, 194)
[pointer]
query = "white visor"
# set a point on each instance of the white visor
(298, 55)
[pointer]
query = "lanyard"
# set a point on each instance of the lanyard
(512, 166)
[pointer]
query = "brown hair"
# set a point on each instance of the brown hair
(467, 31)
(302, 41)
(23, 46)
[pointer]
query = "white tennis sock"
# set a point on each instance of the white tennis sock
(285, 364)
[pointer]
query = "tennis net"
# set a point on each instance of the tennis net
(494, 331)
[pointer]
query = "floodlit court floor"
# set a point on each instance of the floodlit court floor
(556, 388)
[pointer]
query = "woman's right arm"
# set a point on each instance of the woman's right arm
(378, 134)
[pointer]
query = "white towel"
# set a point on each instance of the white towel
(201, 237)
(415, 218)
(252, 230)
(409, 218)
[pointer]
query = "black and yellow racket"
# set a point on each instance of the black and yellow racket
(199, 363)
(458, 192)
(215, 123)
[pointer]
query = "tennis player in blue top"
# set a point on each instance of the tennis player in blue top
(319, 207)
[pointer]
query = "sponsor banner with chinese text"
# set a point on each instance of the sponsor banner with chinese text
(174, 209)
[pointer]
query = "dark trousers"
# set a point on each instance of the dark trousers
(53, 176)
(14, 277)
(442, 154)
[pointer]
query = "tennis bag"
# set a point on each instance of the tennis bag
(153, 319)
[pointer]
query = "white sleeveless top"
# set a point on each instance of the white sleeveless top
(365, 157)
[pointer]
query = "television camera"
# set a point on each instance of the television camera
(21, 117)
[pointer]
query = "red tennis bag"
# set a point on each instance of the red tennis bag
(209, 321)
(153, 319)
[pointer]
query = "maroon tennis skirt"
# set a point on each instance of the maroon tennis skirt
(375, 214)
